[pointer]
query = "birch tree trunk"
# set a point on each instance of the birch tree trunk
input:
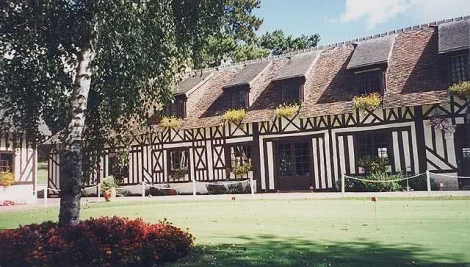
(71, 155)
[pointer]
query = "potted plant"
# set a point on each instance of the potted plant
(234, 115)
(6, 179)
(242, 170)
(178, 173)
(365, 103)
(287, 110)
(108, 188)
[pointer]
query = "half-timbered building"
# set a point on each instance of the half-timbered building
(411, 68)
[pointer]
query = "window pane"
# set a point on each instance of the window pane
(459, 68)
(369, 82)
(372, 145)
(6, 162)
(240, 155)
(180, 109)
(290, 92)
(466, 152)
(285, 160)
(179, 160)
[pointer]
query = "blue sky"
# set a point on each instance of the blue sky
(343, 20)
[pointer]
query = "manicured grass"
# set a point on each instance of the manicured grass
(304, 232)
(42, 172)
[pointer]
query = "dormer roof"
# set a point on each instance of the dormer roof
(372, 52)
(248, 74)
(191, 82)
(454, 36)
(298, 66)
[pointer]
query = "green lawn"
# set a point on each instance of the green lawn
(421, 232)
(42, 172)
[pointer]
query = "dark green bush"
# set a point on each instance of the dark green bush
(419, 183)
(383, 185)
(373, 164)
(215, 189)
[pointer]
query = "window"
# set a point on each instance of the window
(177, 108)
(369, 82)
(374, 144)
(118, 164)
(238, 99)
(179, 164)
(6, 162)
(290, 92)
(466, 152)
(240, 155)
(293, 158)
(459, 68)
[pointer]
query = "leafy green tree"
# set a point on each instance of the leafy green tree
(91, 66)
(236, 34)
(280, 43)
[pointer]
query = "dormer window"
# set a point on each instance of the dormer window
(237, 98)
(177, 108)
(369, 81)
(459, 68)
(290, 91)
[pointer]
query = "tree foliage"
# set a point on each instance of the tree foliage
(278, 43)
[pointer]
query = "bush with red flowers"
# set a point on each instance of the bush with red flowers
(106, 241)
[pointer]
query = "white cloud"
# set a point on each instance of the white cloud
(376, 12)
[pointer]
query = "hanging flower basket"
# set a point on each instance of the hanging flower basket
(368, 102)
(286, 110)
(171, 123)
(234, 115)
(443, 124)
(461, 89)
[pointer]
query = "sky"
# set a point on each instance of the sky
(343, 20)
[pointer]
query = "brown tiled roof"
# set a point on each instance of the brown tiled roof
(298, 65)
(414, 77)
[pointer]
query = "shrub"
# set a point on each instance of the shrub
(6, 178)
(367, 102)
(238, 188)
(94, 242)
(178, 173)
(153, 191)
(461, 89)
(373, 164)
(171, 123)
(234, 115)
(383, 186)
(286, 110)
(7, 203)
(352, 186)
(214, 189)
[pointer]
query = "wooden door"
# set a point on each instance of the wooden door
(294, 168)
(462, 142)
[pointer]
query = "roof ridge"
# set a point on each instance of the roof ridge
(322, 47)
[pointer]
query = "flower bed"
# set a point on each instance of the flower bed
(94, 242)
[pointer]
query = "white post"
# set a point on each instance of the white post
(45, 196)
(194, 186)
(428, 181)
(343, 180)
(251, 186)
(99, 190)
(143, 189)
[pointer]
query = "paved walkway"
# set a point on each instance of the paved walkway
(54, 202)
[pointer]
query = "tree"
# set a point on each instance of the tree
(237, 32)
(279, 43)
(91, 65)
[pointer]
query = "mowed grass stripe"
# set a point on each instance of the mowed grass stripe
(304, 232)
